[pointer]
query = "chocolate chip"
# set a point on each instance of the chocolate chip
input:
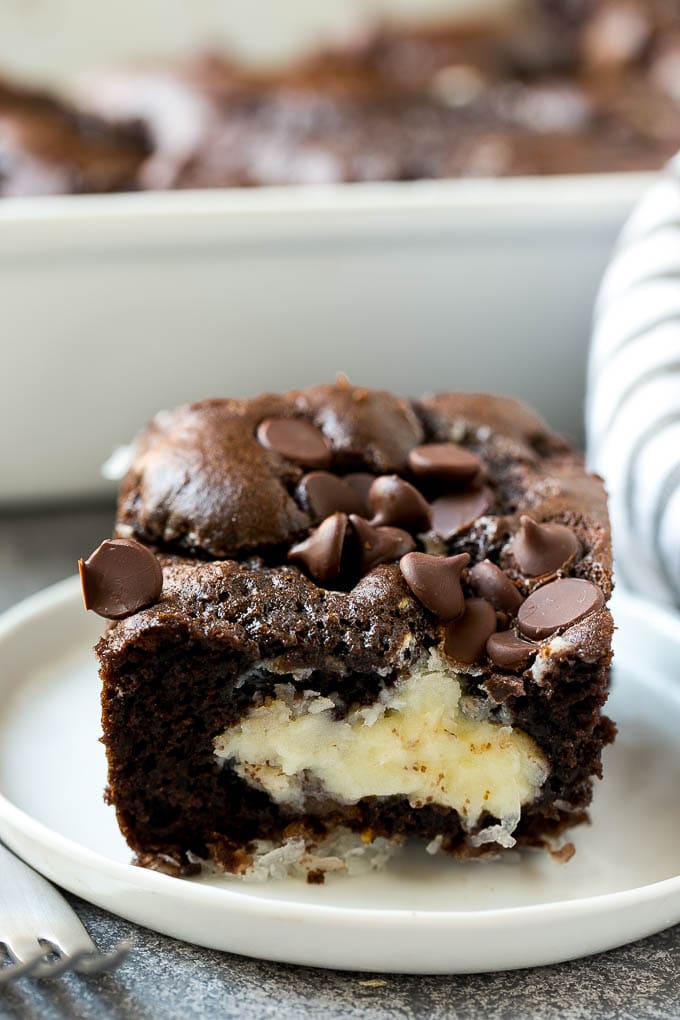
(508, 651)
(393, 501)
(297, 440)
(324, 494)
(121, 577)
(558, 604)
(465, 639)
(361, 482)
(380, 545)
(453, 513)
(490, 582)
(543, 548)
(444, 461)
(321, 552)
(435, 581)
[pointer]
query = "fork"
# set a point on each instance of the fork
(40, 933)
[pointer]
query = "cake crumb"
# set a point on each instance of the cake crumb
(316, 877)
(564, 854)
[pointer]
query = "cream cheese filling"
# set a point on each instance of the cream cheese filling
(422, 740)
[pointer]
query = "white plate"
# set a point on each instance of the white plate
(422, 915)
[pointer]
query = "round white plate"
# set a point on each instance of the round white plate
(422, 914)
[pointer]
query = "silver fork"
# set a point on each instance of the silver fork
(41, 934)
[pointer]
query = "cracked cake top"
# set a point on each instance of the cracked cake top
(344, 521)
(221, 479)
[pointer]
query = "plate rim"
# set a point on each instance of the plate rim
(11, 816)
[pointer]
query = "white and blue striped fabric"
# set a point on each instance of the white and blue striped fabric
(633, 407)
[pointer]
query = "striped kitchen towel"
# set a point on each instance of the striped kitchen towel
(633, 405)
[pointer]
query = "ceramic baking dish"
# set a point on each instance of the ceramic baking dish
(116, 306)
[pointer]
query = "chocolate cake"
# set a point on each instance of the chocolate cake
(49, 148)
(339, 619)
(558, 86)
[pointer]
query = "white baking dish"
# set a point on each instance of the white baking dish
(116, 306)
(113, 307)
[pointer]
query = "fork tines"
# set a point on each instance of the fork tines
(49, 961)
(41, 936)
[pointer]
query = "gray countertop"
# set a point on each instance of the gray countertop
(168, 979)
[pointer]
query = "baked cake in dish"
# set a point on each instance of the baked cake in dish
(340, 619)
(558, 86)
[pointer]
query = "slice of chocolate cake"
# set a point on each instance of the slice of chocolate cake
(379, 619)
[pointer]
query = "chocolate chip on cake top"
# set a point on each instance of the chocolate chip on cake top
(543, 548)
(488, 581)
(321, 552)
(436, 582)
(120, 577)
(392, 500)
